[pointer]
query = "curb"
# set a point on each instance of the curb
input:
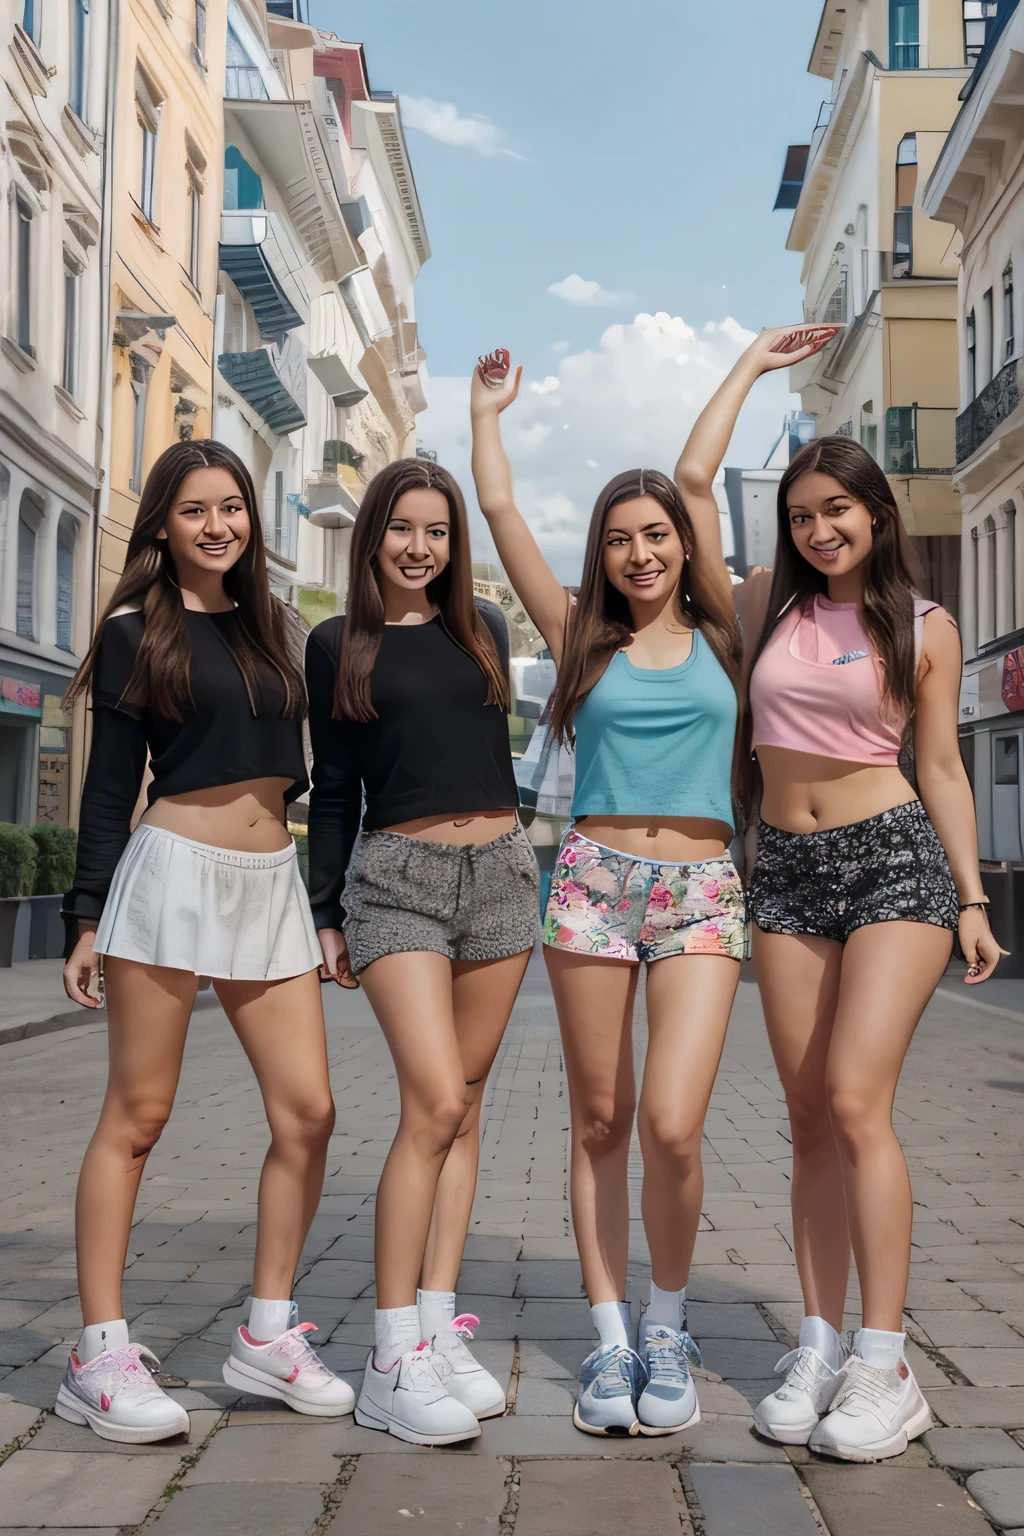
(14, 1032)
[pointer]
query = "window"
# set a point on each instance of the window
(279, 528)
(32, 20)
(988, 336)
(903, 218)
(978, 16)
(904, 34)
(69, 376)
(78, 60)
(67, 538)
(30, 517)
(195, 202)
(869, 438)
(23, 280)
(242, 187)
(1008, 338)
(147, 113)
(141, 371)
(201, 29)
(970, 334)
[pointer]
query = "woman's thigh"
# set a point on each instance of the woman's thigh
(483, 993)
(595, 1001)
(798, 978)
(148, 1009)
(689, 999)
(411, 995)
(280, 1025)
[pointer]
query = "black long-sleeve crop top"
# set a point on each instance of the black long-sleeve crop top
(220, 742)
(436, 747)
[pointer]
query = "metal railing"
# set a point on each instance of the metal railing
(1000, 397)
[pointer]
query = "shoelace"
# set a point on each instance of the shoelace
(296, 1347)
(621, 1363)
(802, 1367)
(123, 1373)
(666, 1357)
(867, 1386)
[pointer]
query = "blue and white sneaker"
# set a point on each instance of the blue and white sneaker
(669, 1400)
(610, 1381)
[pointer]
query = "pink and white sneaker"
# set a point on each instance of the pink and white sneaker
(460, 1372)
(288, 1368)
(117, 1397)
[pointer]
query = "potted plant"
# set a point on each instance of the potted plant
(56, 850)
(17, 881)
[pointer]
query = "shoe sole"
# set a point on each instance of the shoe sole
(881, 1450)
(248, 1379)
(671, 1429)
(787, 1434)
(401, 1431)
(609, 1429)
(76, 1412)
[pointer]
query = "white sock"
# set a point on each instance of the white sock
(269, 1319)
(611, 1323)
(876, 1347)
(396, 1330)
(668, 1307)
(437, 1312)
(819, 1335)
(97, 1338)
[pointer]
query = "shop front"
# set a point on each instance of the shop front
(35, 746)
(992, 746)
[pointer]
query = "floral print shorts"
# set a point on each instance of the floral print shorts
(619, 907)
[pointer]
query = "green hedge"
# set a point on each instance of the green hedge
(17, 860)
(56, 850)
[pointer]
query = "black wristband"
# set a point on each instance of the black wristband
(965, 906)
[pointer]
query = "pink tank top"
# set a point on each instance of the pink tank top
(817, 686)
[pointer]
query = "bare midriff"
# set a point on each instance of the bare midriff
(248, 817)
(807, 793)
(470, 827)
(676, 839)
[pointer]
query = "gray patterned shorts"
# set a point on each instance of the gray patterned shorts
(475, 902)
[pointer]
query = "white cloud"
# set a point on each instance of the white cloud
(443, 121)
(545, 386)
(560, 346)
(629, 401)
(581, 290)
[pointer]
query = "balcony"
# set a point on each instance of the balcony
(270, 380)
(920, 440)
(260, 258)
(335, 494)
(998, 400)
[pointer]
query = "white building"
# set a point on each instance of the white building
(53, 73)
(752, 498)
(321, 241)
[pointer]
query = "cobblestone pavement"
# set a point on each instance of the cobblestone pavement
(249, 1469)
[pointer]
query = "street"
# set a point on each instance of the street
(250, 1468)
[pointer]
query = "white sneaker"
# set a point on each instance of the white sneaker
(461, 1374)
(117, 1397)
(288, 1368)
(875, 1413)
(410, 1402)
(791, 1412)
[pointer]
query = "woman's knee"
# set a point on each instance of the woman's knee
(435, 1123)
(666, 1136)
(139, 1122)
(305, 1126)
(809, 1121)
(859, 1119)
(604, 1124)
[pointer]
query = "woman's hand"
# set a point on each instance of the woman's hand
(978, 944)
(490, 392)
(82, 981)
(787, 345)
(336, 965)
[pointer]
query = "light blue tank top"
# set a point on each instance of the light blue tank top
(657, 743)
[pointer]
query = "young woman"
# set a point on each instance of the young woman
(861, 883)
(190, 667)
(648, 661)
(433, 906)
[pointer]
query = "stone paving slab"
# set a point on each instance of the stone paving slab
(751, 1501)
(1000, 1494)
(973, 1450)
(577, 1499)
(225, 1509)
(415, 1493)
(40, 1488)
(881, 1500)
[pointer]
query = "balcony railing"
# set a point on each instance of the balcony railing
(905, 56)
(920, 440)
(996, 401)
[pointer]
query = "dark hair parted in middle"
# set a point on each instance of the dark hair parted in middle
(599, 622)
(890, 583)
(451, 591)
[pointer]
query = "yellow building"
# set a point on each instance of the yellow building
(164, 207)
(875, 261)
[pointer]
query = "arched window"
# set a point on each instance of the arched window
(67, 538)
(242, 187)
(30, 518)
(1009, 343)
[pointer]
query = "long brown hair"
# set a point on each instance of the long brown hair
(599, 622)
(452, 590)
(160, 679)
(890, 586)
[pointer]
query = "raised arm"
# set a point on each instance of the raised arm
(707, 444)
(533, 580)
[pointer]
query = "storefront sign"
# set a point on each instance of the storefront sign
(17, 697)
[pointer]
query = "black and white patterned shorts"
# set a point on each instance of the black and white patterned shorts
(469, 902)
(889, 868)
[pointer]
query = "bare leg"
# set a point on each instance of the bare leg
(889, 972)
(148, 1008)
(595, 1014)
(483, 993)
(281, 1027)
(689, 998)
(411, 994)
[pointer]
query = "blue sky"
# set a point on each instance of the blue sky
(636, 147)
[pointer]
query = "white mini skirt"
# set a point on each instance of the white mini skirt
(212, 911)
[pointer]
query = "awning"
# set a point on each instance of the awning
(343, 389)
(253, 253)
(253, 376)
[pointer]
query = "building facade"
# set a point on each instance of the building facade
(978, 186)
(752, 497)
(873, 259)
(53, 75)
